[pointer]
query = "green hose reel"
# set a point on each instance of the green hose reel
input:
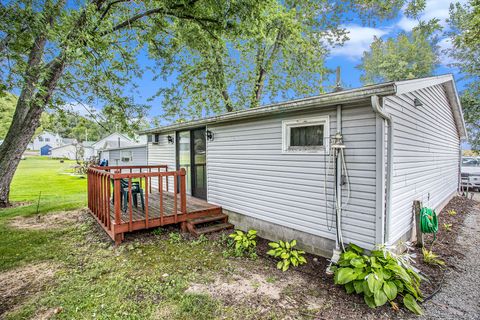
(429, 221)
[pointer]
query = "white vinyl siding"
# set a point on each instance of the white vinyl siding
(426, 154)
(248, 173)
(139, 156)
(163, 153)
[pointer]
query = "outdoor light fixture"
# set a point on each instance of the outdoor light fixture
(170, 139)
(417, 102)
(210, 135)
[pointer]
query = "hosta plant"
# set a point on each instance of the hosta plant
(244, 243)
(288, 256)
(447, 227)
(431, 258)
(381, 277)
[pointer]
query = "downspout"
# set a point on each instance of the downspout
(338, 180)
(386, 213)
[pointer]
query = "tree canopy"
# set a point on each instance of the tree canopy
(406, 56)
(277, 53)
(465, 36)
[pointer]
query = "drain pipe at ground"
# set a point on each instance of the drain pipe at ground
(378, 109)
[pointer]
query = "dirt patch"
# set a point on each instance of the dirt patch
(21, 283)
(48, 221)
(243, 284)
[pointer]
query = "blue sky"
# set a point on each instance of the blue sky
(347, 56)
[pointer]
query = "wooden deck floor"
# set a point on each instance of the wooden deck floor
(194, 206)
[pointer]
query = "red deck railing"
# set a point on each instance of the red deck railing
(106, 190)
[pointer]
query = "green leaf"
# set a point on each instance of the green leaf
(349, 287)
(357, 263)
(286, 265)
(346, 275)
(355, 248)
(358, 285)
(279, 264)
(369, 301)
(380, 298)
(374, 284)
(293, 243)
(271, 252)
(411, 304)
(390, 290)
(274, 245)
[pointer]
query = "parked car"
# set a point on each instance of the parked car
(471, 172)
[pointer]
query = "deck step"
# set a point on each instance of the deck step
(210, 218)
(213, 228)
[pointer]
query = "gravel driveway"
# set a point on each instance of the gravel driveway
(459, 297)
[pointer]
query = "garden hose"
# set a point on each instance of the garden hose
(429, 221)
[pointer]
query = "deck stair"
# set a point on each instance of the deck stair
(208, 224)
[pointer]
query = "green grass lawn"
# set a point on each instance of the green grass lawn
(95, 279)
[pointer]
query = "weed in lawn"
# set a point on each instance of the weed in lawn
(158, 231)
(200, 240)
(174, 237)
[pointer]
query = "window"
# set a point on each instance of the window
(126, 156)
(306, 135)
(47, 139)
(40, 138)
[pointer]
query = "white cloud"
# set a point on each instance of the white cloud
(406, 24)
(360, 40)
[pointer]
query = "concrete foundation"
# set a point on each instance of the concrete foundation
(271, 231)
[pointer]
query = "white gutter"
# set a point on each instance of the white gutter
(387, 209)
(338, 207)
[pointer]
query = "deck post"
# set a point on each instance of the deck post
(116, 197)
(147, 185)
(183, 191)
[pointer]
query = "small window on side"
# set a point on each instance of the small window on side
(306, 135)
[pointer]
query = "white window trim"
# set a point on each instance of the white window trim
(301, 122)
(130, 155)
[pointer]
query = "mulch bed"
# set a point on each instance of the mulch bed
(445, 244)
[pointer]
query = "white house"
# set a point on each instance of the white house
(339, 167)
(82, 151)
(46, 138)
(114, 140)
(134, 155)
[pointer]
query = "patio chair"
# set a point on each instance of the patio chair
(136, 190)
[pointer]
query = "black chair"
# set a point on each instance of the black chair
(136, 190)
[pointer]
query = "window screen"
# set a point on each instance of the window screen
(307, 136)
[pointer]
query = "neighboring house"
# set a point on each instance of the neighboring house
(272, 168)
(135, 155)
(74, 151)
(114, 140)
(46, 138)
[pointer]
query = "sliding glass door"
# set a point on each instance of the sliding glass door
(191, 155)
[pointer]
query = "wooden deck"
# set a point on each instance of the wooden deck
(117, 216)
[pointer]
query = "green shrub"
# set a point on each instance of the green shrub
(380, 277)
(288, 255)
(244, 243)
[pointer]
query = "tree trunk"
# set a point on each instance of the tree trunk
(12, 148)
